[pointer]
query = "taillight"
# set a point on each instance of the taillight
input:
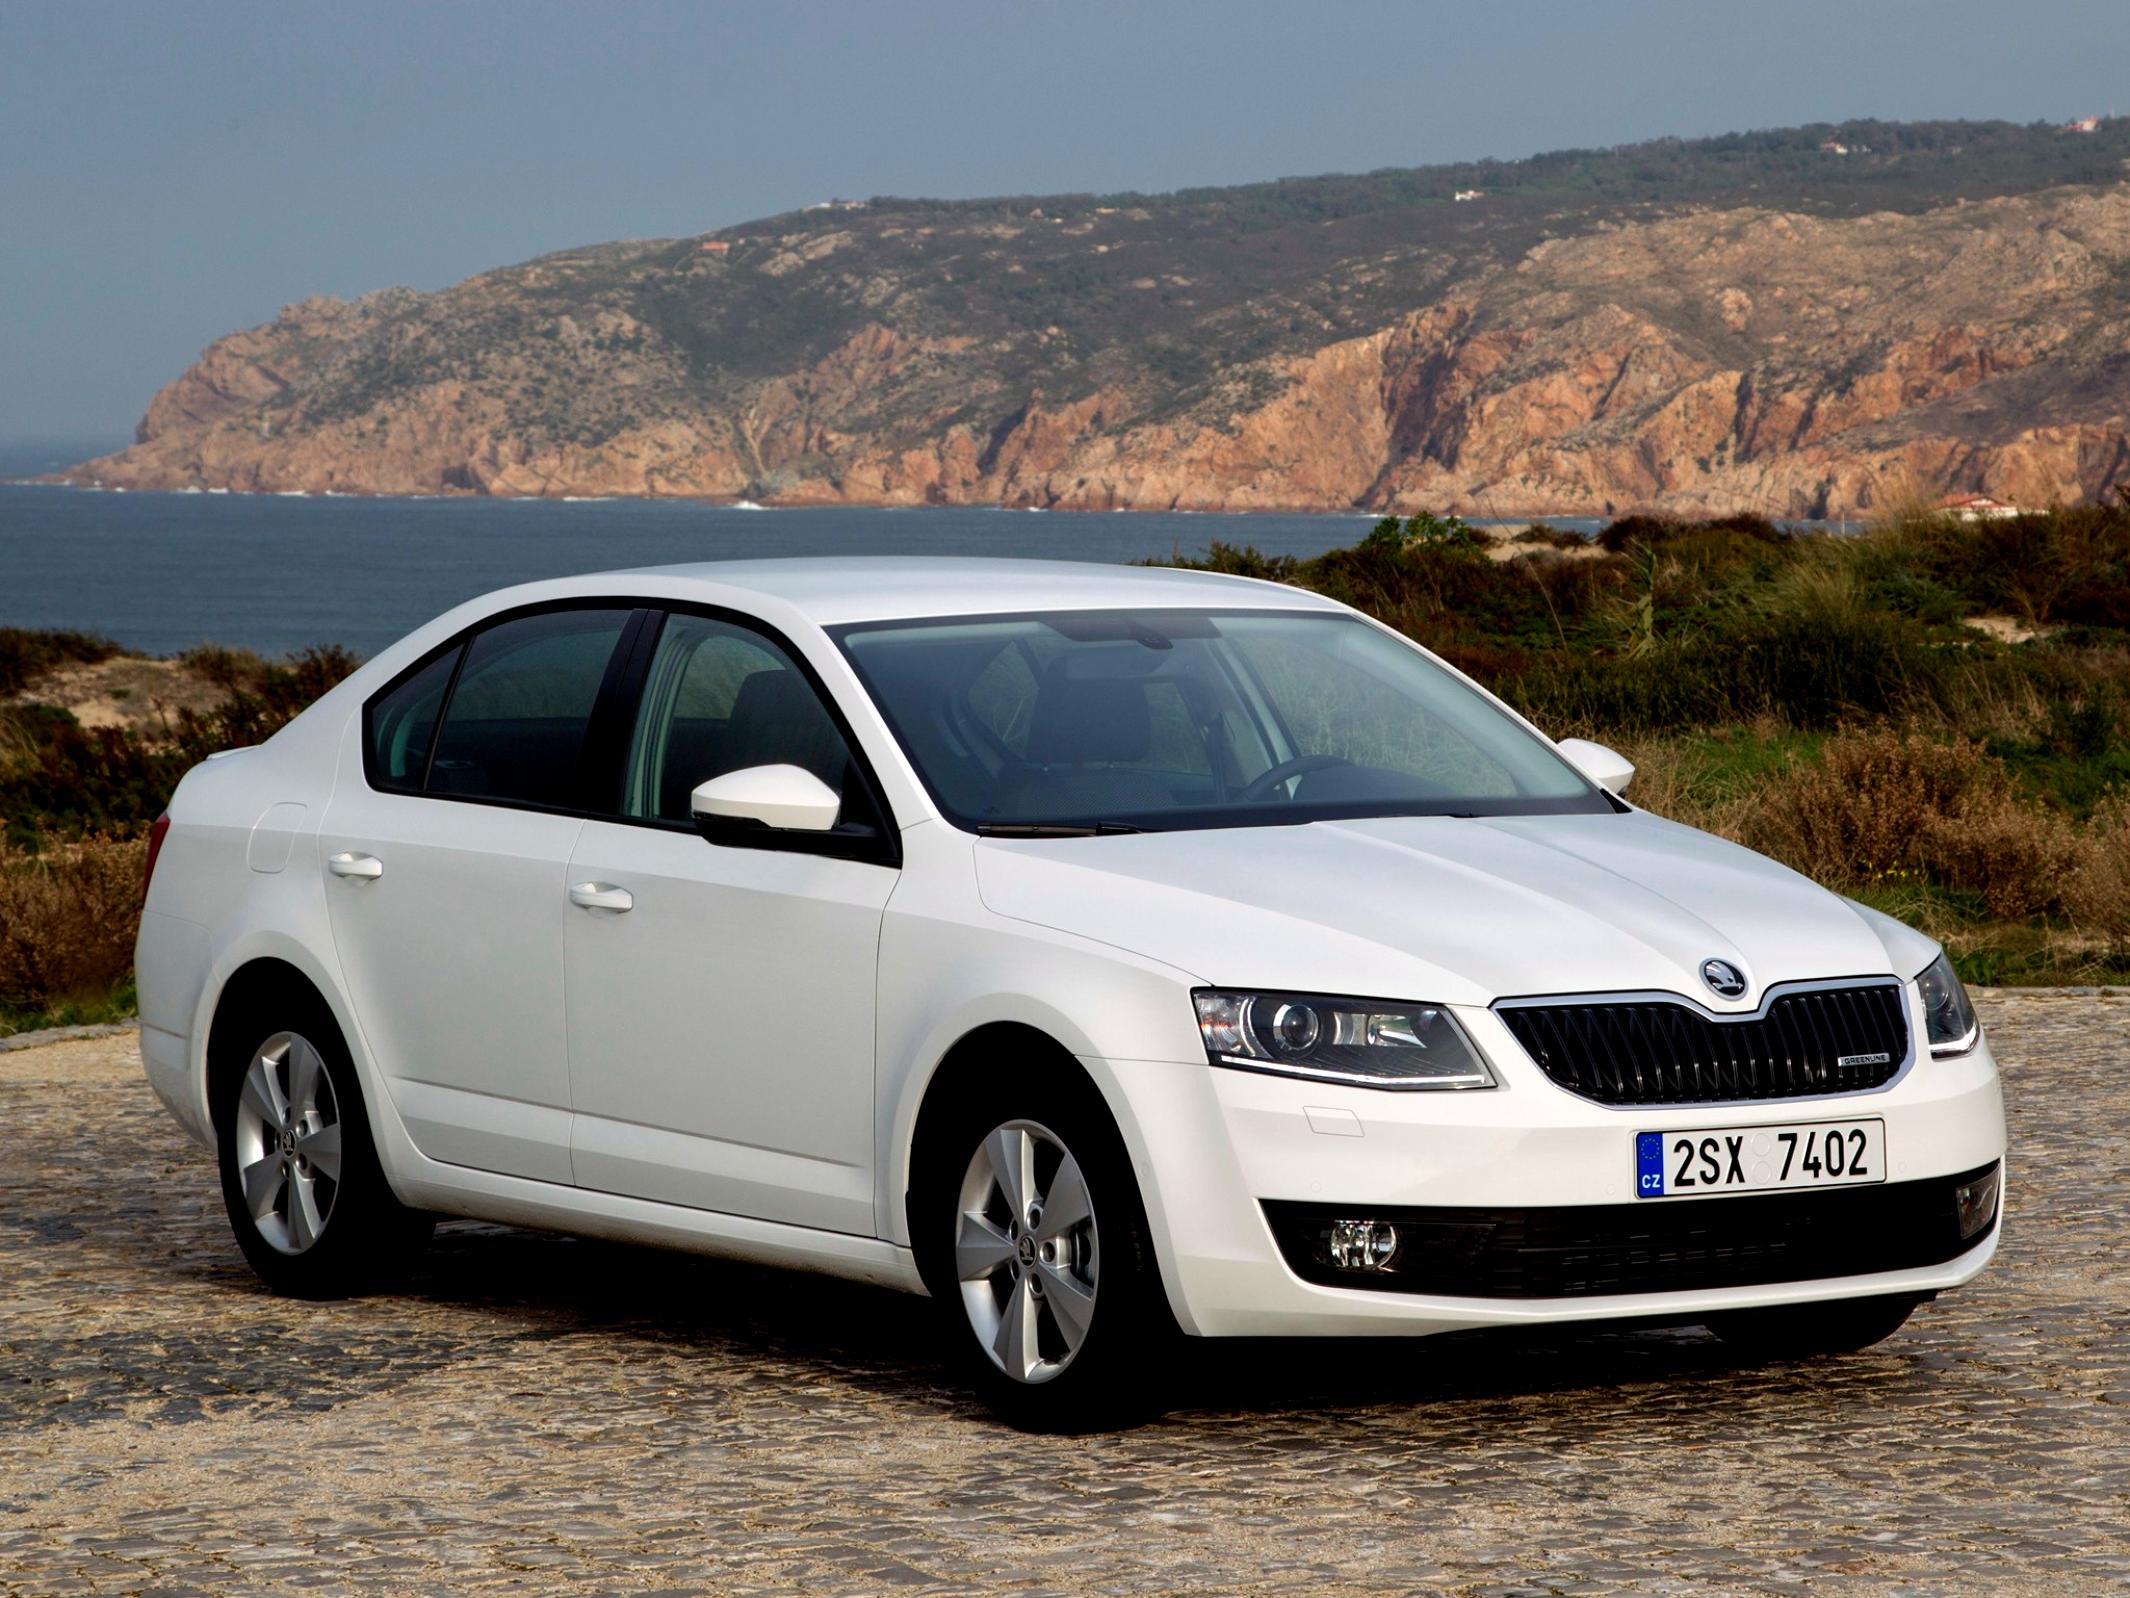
(155, 847)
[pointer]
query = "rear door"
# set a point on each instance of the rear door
(447, 864)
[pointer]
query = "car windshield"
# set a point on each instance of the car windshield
(1164, 719)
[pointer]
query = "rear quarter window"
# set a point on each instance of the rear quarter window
(401, 725)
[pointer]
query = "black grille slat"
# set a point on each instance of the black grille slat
(1601, 1026)
(1791, 1031)
(1852, 1026)
(1734, 1079)
(1564, 1051)
(1647, 1246)
(1665, 1051)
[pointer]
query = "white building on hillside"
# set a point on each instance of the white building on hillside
(1975, 508)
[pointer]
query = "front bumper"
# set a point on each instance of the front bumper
(1214, 1147)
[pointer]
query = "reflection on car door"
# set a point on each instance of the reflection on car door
(720, 999)
(448, 840)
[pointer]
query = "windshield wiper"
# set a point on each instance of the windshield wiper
(1053, 829)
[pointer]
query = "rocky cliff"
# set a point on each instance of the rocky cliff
(1819, 346)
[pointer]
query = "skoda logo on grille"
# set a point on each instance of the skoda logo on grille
(1724, 980)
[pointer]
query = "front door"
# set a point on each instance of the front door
(721, 999)
(447, 847)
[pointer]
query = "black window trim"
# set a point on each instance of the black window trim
(602, 759)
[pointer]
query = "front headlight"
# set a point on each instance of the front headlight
(1949, 1022)
(1370, 1043)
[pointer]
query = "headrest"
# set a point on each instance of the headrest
(1083, 722)
(781, 695)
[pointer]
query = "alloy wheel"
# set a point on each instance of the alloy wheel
(1025, 1251)
(288, 1142)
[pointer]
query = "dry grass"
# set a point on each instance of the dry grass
(68, 915)
(1932, 829)
(1883, 808)
(2100, 894)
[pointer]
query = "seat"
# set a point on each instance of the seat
(1081, 731)
(778, 720)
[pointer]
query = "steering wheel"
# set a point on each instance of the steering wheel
(1265, 781)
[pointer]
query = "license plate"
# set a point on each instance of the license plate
(1753, 1159)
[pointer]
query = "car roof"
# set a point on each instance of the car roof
(836, 590)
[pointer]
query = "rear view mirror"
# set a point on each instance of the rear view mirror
(1610, 771)
(782, 798)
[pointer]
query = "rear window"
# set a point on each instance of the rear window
(515, 722)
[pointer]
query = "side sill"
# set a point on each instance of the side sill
(584, 1212)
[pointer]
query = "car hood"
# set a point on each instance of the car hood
(1458, 911)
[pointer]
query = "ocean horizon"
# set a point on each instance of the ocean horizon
(160, 572)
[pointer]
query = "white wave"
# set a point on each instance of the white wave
(745, 504)
(218, 491)
(291, 493)
(577, 499)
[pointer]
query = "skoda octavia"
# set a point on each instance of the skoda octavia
(1110, 954)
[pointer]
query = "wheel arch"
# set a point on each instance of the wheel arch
(967, 1059)
(251, 987)
(974, 1052)
(251, 970)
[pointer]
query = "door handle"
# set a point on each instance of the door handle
(601, 896)
(359, 867)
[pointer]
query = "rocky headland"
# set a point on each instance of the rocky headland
(1786, 331)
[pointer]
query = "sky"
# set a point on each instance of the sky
(169, 173)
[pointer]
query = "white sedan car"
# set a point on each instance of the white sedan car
(1108, 953)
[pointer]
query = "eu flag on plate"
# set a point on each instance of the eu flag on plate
(1649, 1165)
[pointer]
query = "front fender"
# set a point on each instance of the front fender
(949, 967)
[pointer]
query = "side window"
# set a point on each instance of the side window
(517, 719)
(720, 698)
(401, 722)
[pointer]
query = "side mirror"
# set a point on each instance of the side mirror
(1609, 771)
(781, 798)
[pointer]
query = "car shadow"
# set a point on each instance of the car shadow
(889, 1343)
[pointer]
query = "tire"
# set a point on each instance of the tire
(1052, 1309)
(319, 1220)
(1809, 1331)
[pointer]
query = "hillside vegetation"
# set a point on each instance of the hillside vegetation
(1932, 717)
(1750, 322)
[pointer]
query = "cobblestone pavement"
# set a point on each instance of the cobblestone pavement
(533, 1414)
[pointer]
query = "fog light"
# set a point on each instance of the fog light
(1975, 1203)
(1363, 1245)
